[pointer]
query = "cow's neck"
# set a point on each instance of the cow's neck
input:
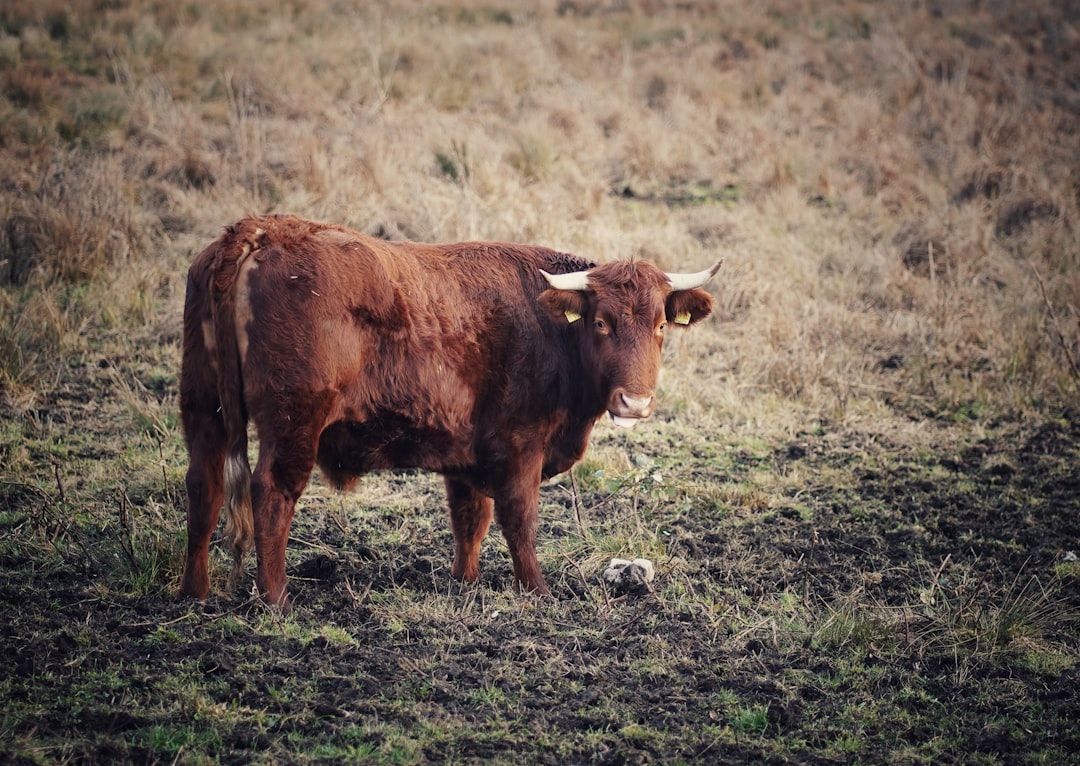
(579, 391)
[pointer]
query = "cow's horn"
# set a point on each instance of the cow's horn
(692, 281)
(578, 280)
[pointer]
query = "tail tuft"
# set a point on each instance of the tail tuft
(239, 525)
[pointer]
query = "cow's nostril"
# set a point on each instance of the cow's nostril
(637, 404)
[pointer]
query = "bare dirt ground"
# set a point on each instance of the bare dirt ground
(891, 603)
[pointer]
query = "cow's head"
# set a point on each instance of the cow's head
(623, 310)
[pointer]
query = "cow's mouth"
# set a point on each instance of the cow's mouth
(624, 422)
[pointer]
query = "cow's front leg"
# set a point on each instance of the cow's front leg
(276, 485)
(516, 511)
(470, 518)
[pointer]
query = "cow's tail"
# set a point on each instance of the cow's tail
(237, 246)
(239, 523)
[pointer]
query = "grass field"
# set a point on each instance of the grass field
(861, 489)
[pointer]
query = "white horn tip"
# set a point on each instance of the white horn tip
(577, 280)
(694, 281)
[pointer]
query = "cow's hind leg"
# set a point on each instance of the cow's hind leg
(205, 492)
(280, 476)
(470, 517)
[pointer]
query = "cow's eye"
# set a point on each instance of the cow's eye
(663, 326)
(601, 325)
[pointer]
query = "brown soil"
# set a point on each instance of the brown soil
(797, 632)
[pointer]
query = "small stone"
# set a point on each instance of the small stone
(627, 574)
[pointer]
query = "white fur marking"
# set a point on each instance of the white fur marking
(244, 314)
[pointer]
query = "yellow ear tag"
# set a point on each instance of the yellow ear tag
(683, 317)
(572, 316)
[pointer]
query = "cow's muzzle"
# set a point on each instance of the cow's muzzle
(627, 410)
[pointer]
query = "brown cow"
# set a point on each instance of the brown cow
(487, 363)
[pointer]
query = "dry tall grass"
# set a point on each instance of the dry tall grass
(894, 186)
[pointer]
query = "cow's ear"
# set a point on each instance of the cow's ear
(564, 305)
(686, 307)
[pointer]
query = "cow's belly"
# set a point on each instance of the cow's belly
(349, 448)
